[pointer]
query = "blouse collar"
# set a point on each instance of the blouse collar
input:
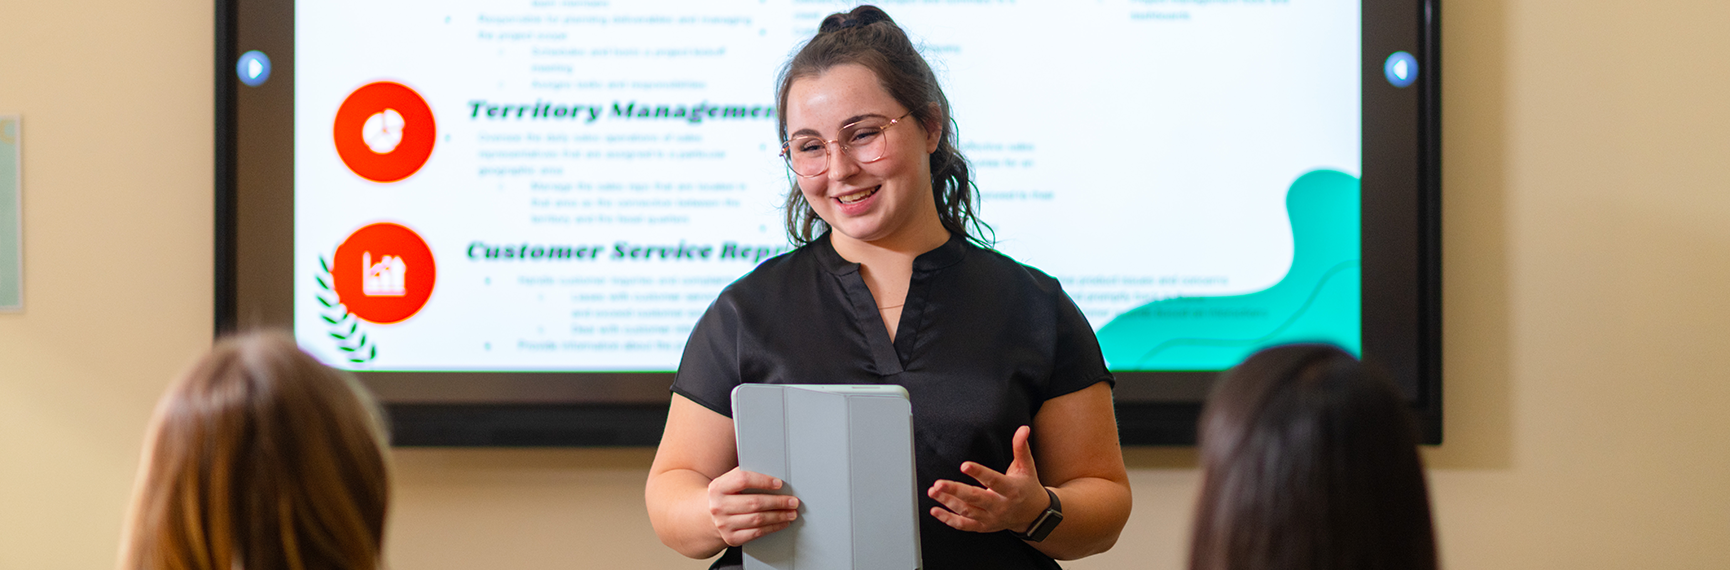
(945, 255)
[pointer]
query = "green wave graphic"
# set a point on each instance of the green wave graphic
(1263, 340)
(1318, 300)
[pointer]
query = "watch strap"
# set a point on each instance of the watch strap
(1046, 522)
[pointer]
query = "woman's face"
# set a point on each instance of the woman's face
(886, 199)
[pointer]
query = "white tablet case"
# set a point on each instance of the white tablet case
(847, 452)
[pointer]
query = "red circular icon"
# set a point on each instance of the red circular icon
(384, 273)
(384, 131)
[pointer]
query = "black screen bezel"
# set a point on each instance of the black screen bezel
(253, 246)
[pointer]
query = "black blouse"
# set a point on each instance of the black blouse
(983, 342)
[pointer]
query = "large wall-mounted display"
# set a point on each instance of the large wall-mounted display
(507, 216)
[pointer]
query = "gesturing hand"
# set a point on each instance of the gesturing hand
(743, 517)
(1010, 500)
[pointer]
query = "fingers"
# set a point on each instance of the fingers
(738, 480)
(979, 496)
(958, 522)
(738, 537)
(1008, 500)
(741, 515)
(728, 496)
(1023, 462)
(986, 476)
(965, 500)
(728, 505)
(756, 519)
(971, 508)
(737, 529)
(1019, 468)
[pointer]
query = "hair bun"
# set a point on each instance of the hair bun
(863, 15)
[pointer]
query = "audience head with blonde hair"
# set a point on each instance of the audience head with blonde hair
(1310, 462)
(260, 458)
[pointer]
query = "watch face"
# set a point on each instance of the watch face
(1043, 527)
(1047, 521)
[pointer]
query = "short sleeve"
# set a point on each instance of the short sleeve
(1077, 362)
(709, 368)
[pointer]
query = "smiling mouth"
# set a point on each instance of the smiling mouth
(855, 197)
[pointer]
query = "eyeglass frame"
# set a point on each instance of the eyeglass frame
(785, 157)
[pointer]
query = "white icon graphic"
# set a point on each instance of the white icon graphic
(383, 131)
(389, 278)
(253, 68)
(1400, 69)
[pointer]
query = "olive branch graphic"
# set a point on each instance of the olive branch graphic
(344, 326)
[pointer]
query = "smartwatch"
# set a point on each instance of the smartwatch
(1047, 521)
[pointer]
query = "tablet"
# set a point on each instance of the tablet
(847, 452)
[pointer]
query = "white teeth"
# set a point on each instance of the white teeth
(856, 196)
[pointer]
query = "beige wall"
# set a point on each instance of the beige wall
(1587, 264)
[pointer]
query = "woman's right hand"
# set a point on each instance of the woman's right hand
(742, 517)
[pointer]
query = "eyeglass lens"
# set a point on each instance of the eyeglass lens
(863, 142)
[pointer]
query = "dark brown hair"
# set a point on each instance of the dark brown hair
(866, 36)
(1310, 462)
(261, 458)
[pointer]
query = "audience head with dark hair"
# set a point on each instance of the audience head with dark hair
(1310, 462)
(263, 459)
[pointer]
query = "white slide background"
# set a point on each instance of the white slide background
(1134, 149)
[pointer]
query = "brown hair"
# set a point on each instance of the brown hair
(866, 36)
(263, 459)
(1310, 461)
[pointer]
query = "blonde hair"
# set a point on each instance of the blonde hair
(260, 458)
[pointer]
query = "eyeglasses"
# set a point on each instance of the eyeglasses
(863, 141)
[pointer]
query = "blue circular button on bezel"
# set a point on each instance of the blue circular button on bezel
(240, 68)
(1394, 61)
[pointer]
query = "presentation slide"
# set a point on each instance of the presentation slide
(566, 185)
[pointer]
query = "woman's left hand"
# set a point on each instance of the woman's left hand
(1011, 500)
